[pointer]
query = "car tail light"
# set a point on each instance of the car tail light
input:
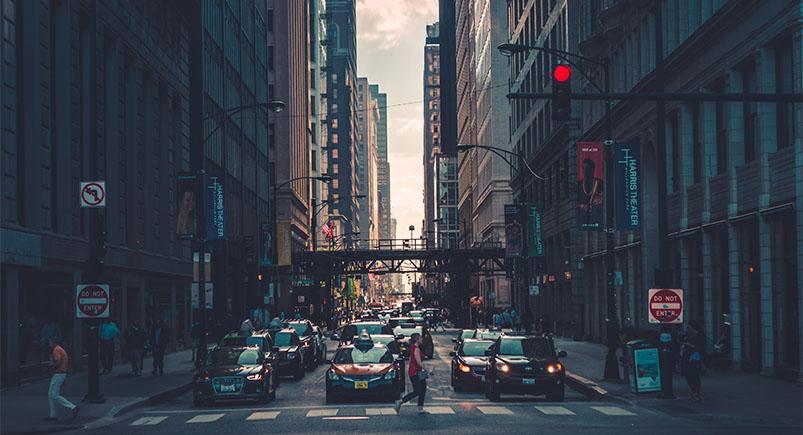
(204, 376)
(254, 377)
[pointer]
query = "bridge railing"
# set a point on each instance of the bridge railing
(408, 244)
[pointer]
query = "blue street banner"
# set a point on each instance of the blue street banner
(535, 244)
(215, 211)
(627, 173)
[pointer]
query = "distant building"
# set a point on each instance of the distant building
(318, 117)
(432, 135)
(367, 118)
(383, 166)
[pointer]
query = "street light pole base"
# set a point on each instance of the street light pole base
(611, 366)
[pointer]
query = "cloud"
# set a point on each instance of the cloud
(382, 24)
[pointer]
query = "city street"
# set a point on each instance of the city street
(300, 408)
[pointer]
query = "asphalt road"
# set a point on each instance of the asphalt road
(300, 408)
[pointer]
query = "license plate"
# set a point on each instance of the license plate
(361, 385)
(528, 381)
(227, 388)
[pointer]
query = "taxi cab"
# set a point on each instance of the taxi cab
(363, 369)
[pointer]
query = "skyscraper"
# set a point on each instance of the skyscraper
(431, 139)
(383, 167)
(318, 116)
(367, 138)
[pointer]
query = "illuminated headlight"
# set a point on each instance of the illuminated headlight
(254, 377)
(502, 367)
(553, 368)
(391, 374)
(333, 376)
(464, 368)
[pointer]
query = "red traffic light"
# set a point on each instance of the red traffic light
(562, 73)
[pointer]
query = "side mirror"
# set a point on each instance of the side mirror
(562, 354)
(452, 353)
(489, 352)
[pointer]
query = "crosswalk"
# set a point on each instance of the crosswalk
(332, 413)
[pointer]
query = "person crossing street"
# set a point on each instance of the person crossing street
(418, 375)
(59, 362)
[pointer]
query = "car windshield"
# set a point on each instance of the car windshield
(467, 333)
(475, 348)
(232, 357)
(239, 341)
(529, 347)
(284, 339)
(396, 321)
(350, 331)
(302, 329)
(353, 355)
(389, 341)
(405, 331)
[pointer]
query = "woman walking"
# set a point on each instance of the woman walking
(418, 375)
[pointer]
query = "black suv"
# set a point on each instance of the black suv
(290, 356)
(309, 343)
(524, 365)
(234, 373)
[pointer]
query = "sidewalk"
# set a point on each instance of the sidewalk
(730, 395)
(23, 409)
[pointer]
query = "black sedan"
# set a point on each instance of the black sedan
(234, 373)
(289, 354)
(403, 333)
(309, 344)
(524, 365)
(464, 334)
(468, 364)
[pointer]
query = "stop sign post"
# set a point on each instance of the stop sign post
(92, 301)
(665, 305)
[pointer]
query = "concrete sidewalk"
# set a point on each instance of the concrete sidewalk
(729, 395)
(24, 408)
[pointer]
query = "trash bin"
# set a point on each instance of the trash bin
(643, 369)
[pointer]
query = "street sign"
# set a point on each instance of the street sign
(93, 194)
(535, 290)
(665, 305)
(92, 301)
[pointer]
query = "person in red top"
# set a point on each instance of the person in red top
(59, 363)
(417, 374)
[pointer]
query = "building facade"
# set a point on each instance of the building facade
(431, 137)
(367, 119)
(383, 166)
(318, 116)
(733, 177)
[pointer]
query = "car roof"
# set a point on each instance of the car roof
(288, 330)
(367, 322)
(478, 340)
(354, 346)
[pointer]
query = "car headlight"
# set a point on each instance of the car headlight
(333, 376)
(391, 374)
(464, 368)
(291, 355)
(254, 377)
(502, 367)
(553, 368)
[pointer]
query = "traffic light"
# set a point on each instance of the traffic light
(562, 90)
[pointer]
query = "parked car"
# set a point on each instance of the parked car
(468, 364)
(234, 373)
(524, 365)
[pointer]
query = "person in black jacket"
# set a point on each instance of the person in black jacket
(135, 344)
(160, 337)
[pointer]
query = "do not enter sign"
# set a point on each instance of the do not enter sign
(92, 301)
(665, 305)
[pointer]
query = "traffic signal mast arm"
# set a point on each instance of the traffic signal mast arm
(664, 96)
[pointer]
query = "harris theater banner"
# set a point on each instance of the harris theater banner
(627, 172)
(590, 186)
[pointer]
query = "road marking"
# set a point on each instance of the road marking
(205, 418)
(263, 415)
(554, 410)
(494, 410)
(148, 421)
(380, 411)
(611, 410)
(353, 417)
(322, 412)
(439, 409)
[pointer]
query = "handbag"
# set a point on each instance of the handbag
(422, 375)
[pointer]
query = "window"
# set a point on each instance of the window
(270, 57)
(335, 168)
(312, 78)
(333, 123)
(270, 20)
(334, 138)
(750, 113)
(334, 153)
(784, 79)
(335, 183)
(721, 123)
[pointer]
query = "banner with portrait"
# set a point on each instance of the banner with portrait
(590, 186)
(186, 206)
(513, 231)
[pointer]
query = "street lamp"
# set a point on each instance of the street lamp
(612, 339)
(316, 210)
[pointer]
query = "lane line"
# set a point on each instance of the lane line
(148, 421)
(353, 417)
(494, 410)
(205, 418)
(612, 410)
(322, 412)
(554, 410)
(264, 415)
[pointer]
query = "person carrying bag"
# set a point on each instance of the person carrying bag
(418, 375)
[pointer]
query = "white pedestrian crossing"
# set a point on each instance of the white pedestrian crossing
(205, 418)
(494, 410)
(263, 415)
(148, 421)
(611, 410)
(322, 412)
(380, 411)
(439, 409)
(555, 410)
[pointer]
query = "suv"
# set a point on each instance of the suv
(350, 332)
(524, 365)
(260, 339)
(289, 356)
(309, 344)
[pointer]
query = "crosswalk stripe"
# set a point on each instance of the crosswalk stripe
(494, 410)
(611, 410)
(322, 412)
(554, 410)
(205, 418)
(380, 411)
(263, 415)
(148, 421)
(439, 410)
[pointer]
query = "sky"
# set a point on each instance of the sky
(390, 52)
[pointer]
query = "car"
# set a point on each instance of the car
(234, 373)
(363, 369)
(464, 334)
(321, 347)
(392, 343)
(348, 332)
(309, 344)
(403, 333)
(395, 321)
(487, 334)
(261, 339)
(468, 364)
(289, 354)
(524, 365)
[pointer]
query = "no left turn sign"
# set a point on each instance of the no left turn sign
(92, 301)
(93, 194)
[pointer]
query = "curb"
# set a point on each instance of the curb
(63, 428)
(152, 400)
(591, 389)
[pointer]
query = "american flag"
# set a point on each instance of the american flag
(327, 229)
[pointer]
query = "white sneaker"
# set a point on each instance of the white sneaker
(397, 406)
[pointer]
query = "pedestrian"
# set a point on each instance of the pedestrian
(507, 319)
(59, 361)
(691, 355)
(160, 336)
(195, 335)
(246, 327)
(135, 344)
(516, 320)
(418, 375)
(108, 332)
(497, 320)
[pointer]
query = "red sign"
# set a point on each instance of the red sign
(665, 305)
(92, 301)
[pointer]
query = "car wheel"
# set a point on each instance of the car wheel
(491, 392)
(557, 395)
